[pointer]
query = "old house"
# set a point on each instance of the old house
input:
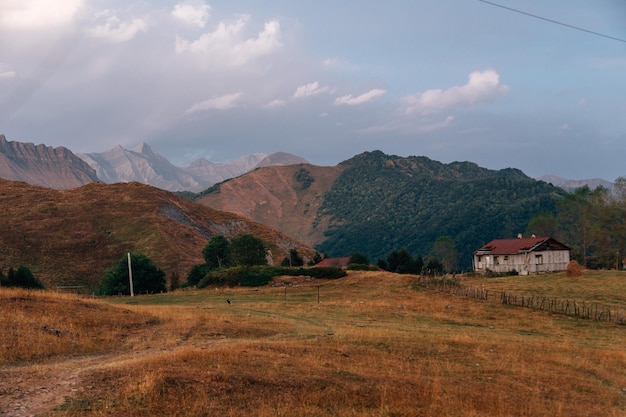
(531, 255)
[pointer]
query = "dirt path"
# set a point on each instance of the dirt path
(35, 390)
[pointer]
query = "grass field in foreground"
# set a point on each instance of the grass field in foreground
(374, 345)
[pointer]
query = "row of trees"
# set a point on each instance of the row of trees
(591, 222)
(242, 250)
(239, 261)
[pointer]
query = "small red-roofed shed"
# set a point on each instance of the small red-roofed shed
(334, 262)
(531, 255)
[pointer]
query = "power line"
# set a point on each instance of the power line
(553, 21)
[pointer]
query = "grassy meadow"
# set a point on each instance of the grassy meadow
(370, 344)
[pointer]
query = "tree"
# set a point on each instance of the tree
(317, 258)
(22, 278)
(358, 259)
(543, 224)
(580, 217)
(147, 278)
(293, 259)
(445, 252)
(196, 273)
(402, 262)
(247, 250)
(217, 253)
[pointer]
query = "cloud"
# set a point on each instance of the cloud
(37, 14)
(310, 90)
(482, 87)
(275, 104)
(7, 74)
(228, 43)
(114, 29)
(363, 98)
(225, 102)
(192, 12)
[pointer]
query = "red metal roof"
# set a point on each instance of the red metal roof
(334, 262)
(513, 246)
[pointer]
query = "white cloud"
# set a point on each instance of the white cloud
(309, 90)
(481, 87)
(275, 104)
(192, 12)
(225, 102)
(363, 98)
(7, 74)
(114, 29)
(228, 44)
(37, 14)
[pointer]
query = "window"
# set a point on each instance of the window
(539, 259)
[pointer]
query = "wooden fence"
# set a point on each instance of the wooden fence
(578, 309)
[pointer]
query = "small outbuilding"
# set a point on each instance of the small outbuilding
(334, 262)
(531, 255)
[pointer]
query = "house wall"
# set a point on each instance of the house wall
(525, 263)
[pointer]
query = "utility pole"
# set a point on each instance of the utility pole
(130, 276)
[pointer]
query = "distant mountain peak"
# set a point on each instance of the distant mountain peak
(281, 158)
(144, 165)
(571, 185)
(42, 165)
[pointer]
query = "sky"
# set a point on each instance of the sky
(530, 84)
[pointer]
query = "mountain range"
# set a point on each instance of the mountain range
(372, 203)
(59, 168)
(375, 203)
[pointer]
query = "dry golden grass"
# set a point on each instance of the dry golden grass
(603, 287)
(373, 346)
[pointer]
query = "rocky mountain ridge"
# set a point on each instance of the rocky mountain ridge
(59, 168)
(56, 168)
(144, 165)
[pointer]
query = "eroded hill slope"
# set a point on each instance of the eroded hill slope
(71, 237)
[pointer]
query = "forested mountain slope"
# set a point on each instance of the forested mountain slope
(380, 203)
(375, 203)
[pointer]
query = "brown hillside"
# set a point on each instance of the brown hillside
(274, 196)
(71, 237)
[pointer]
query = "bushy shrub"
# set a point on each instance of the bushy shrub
(261, 275)
(362, 267)
(22, 278)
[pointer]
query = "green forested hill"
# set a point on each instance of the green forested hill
(381, 203)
